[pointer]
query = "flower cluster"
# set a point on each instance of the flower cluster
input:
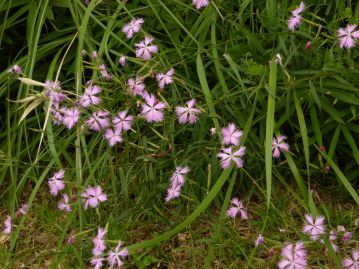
(177, 181)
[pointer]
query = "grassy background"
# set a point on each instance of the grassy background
(221, 56)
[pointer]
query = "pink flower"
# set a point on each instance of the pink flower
(348, 36)
(165, 79)
(227, 156)
(94, 54)
(8, 225)
(57, 97)
(104, 73)
(294, 257)
(132, 27)
(98, 120)
(113, 137)
(152, 109)
(237, 208)
(177, 177)
(122, 122)
(189, 113)
(99, 242)
(231, 135)
(347, 236)
(145, 49)
(97, 262)
(52, 85)
(353, 263)
(22, 210)
(114, 257)
(89, 97)
(279, 145)
(70, 116)
(15, 69)
(122, 61)
(314, 227)
(173, 192)
(213, 131)
(259, 240)
(56, 182)
(296, 18)
(308, 45)
(64, 205)
(93, 196)
(200, 3)
(137, 87)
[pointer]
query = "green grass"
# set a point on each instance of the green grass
(221, 55)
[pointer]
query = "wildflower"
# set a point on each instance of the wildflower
(97, 262)
(70, 240)
(52, 85)
(64, 205)
(70, 116)
(177, 177)
(104, 73)
(200, 3)
(187, 114)
(22, 210)
(341, 228)
(136, 87)
(231, 135)
(308, 45)
(98, 121)
(144, 49)
(213, 131)
(57, 97)
(56, 182)
(114, 257)
(278, 59)
(122, 61)
(15, 69)
(99, 242)
(314, 227)
(294, 257)
(93, 196)
(279, 145)
(8, 225)
(347, 236)
(89, 97)
(94, 54)
(113, 137)
(173, 191)
(296, 18)
(56, 115)
(226, 155)
(348, 36)
(132, 27)
(122, 122)
(353, 263)
(237, 208)
(152, 109)
(259, 240)
(165, 79)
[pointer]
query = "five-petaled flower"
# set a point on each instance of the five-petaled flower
(231, 135)
(115, 256)
(348, 36)
(89, 97)
(152, 109)
(189, 113)
(132, 27)
(278, 145)
(353, 263)
(227, 155)
(237, 207)
(145, 49)
(93, 196)
(314, 227)
(56, 183)
(294, 256)
(165, 79)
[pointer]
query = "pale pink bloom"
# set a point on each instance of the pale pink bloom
(145, 49)
(136, 87)
(122, 122)
(98, 120)
(348, 36)
(165, 79)
(173, 191)
(57, 97)
(341, 228)
(177, 177)
(104, 73)
(97, 262)
(296, 18)
(8, 225)
(94, 54)
(132, 27)
(22, 210)
(231, 135)
(278, 59)
(226, 155)
(15, 69)
(213, 131)
(64, 205)
(314, 227)
(152, 109)
(189, 113)
(122, 61)
(89, 97)
(87, 2)
(353, 263)
(114, 257)
(200, 3)
(259, 240)
(56, 182)
(93, 196)
(294, 257)
(56, 115)
(70, 240)
(52, 85)
(70, 116)
(237, 207)
(279, 145)
(113, 137)
(347, 236)
(99, 242)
